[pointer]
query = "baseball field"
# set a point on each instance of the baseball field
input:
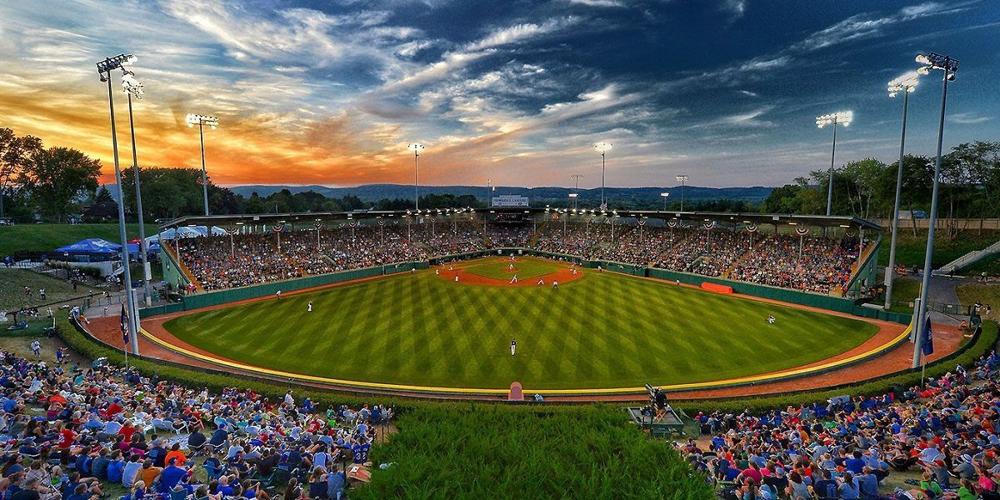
(595, 330)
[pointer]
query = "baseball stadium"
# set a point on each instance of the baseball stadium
(598, 304)
(436, 249)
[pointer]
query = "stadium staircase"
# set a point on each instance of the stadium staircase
(838, 291)
(174, 254)
(732, 267)
(969, 259)
(533, 241)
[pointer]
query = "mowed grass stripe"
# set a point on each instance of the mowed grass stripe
(603, 330)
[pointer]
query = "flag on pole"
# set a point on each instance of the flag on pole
(124, 326)
(928, 345)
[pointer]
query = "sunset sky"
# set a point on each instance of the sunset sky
(331, 92)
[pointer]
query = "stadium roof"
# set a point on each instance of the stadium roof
(722, 217)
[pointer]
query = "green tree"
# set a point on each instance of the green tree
(175, 192)
(979, 162)
(57, 178)
(862, 180)
(15, 155)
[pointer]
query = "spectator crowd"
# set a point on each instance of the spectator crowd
(815, 264)
(68, 433)
(945, 435)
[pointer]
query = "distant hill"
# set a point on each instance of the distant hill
(376, 192)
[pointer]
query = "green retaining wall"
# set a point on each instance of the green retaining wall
(171, 271)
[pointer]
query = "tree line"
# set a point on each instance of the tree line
(52, 184)
(969, 186)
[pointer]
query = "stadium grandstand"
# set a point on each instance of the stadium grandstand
(825, 255)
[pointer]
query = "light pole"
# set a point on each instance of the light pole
(665, 195)
(839, 118)
(683, 180)
(104, 69)
(949, 67)
(133, 87)
(201, 121)
(232, 240)
(576, 188)
(490, 188)
(318, 224)
(416, 148)
(572, 198)
(603, 148)
(906, 83)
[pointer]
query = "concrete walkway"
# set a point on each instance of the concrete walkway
(943, 291)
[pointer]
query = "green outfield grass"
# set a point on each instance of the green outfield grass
(525, 268)
(603, 330)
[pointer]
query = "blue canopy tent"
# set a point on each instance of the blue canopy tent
(92, 249)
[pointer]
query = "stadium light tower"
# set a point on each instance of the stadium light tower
(906, 83)
(416, 148)
(576, 187)
(104, 69)
(201, 121)
(664, 195)
(133, 88)
(839, 118)
(573, 197)
(948, 67)
(603, 148)
(683, 180)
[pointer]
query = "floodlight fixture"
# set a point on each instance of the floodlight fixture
(839, 118)
(130, 85)
(105, 67)
(933, 60)
(202, 120)
(907, 82)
